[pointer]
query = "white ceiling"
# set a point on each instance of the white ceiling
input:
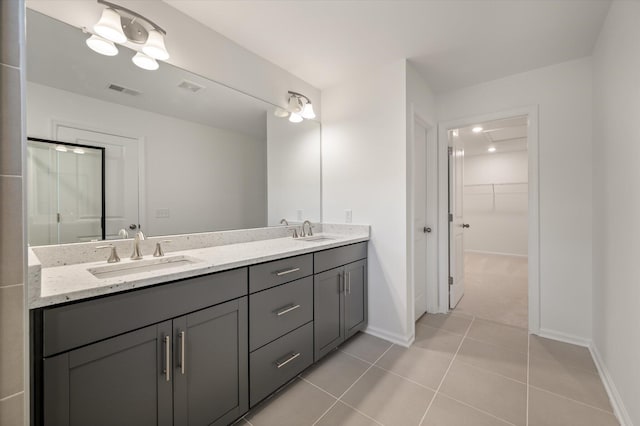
(453, 43)
(508, 135)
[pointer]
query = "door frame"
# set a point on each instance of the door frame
(533, 208)
(432, 198)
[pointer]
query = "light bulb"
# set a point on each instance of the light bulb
(102, 46)
(61, 148)
(307, 111)
(295, 118)
(145, 62)
(294, 104)
(476, 129)
(110, 26)
(78, 151)
(154, 46)
(492, 149)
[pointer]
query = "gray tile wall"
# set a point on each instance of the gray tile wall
(12, 233)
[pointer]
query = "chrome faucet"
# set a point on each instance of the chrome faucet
(137, 254)
(113, 256)
(310, 234)
(284, 222)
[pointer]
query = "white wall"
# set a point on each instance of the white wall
(564, 97)
(195, 47)
(616, 201)
(293, 156)
(208, 178)
(495, 202)
(364, 169)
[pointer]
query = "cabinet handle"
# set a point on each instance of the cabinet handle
(348, 282)
(286, 271)
(167, 357)
(183, 360)
(287, 309)
(288, 360)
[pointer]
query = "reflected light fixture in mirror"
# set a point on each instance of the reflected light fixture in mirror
(121, 25)
(299, 107)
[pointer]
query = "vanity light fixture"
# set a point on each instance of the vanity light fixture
(299, 107)
(476, 129)
(124, 26)
(492, 149)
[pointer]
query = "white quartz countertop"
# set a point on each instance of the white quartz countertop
(66, 283)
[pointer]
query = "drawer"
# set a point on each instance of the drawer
(278, 362)
(270, 274)
(332, 258)
(70, 326)
(277, 311)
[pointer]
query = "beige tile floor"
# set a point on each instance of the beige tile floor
(495, 288)
(461, 371)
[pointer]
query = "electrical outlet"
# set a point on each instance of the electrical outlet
(162, 213)
(299, 214)
(348, 216)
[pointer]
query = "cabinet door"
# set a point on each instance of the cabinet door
(119, 381)
(210, 365)
(328, 311)
(355, 309)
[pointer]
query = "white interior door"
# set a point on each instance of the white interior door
(456, 222)
(419, 219)
(121, 176)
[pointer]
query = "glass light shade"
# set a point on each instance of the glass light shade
(110, 26)
(78, 151)
(295, 118)
(61, 148)
(476, 129)
(154, 46)
(281, 113)
(307, 111)
(492, 149)
(294, 104)
(102, 46)
(145, 62)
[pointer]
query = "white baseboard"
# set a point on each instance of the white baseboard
(496, 253)
(614, 396)
(564, 337)
(405, 341)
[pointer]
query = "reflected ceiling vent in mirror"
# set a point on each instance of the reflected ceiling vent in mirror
(124, 90)
(190, 86)
(299, 107)
(124, 26)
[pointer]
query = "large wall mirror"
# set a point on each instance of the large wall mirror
(182, 154)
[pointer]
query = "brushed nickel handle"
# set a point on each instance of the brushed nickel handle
(287, 309)
(288, 360)
(286, 271)
(167, 355)
(465, 225)
(183, 360)
(348, 282)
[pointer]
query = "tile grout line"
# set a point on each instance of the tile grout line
(527, 384)
(571, 399)
(477, 409)
(446, 372)
(352, 385)
(492, 372)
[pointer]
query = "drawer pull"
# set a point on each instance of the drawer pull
(287, 309)
(167, 357)
(286, 271)
(288, 360)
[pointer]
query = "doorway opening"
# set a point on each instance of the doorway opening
(488, 220)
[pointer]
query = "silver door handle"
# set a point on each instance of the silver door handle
(287, 310)
(183, 360)
(426, 229)
(288, 360)
(465, 225)
(287, 271)
(167, 355)
(348, 282)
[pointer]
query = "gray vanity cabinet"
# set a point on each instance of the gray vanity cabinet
(340, 296)
(210, 365)
(116, 381)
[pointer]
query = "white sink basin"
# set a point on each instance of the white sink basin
(317, 238)
(140, 266)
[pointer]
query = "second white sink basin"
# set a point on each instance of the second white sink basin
(140, 266)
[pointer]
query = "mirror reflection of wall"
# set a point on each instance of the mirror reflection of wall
(65, 202)
(184, 154)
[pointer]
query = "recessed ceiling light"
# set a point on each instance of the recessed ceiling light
(455, 133)
(492, 149)
(476, 129)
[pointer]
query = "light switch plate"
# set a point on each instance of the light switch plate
(162, 213)
(348, 216)
(299, 215)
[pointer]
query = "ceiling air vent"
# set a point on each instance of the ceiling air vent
(190, 86)
(124, 90)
